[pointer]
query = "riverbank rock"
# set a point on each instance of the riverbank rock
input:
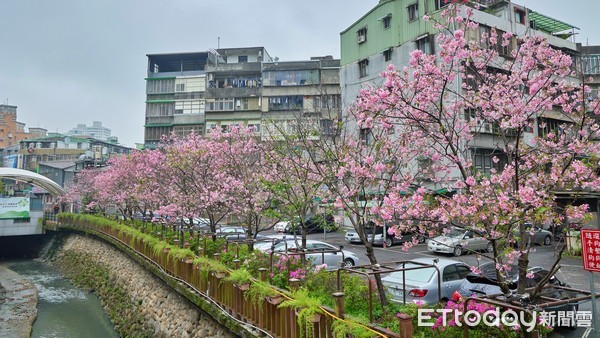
(18, 304)
(166, 312)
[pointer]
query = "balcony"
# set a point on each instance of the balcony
(159, 120)
(221, 93)
(235, 68)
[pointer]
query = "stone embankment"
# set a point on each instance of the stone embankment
(18, 304)
(163, 311)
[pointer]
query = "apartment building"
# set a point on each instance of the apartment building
(241, 86)
(389, 32)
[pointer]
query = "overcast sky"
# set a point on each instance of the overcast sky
(66, 62)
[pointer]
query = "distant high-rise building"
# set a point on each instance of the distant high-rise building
(96, 130)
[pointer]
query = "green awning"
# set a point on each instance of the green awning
(548, 24)
(158, 125)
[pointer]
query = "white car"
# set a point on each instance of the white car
(318, 252)
(281, 226)
(458, 242)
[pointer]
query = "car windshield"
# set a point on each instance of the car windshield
(417, 275)
(454, 233)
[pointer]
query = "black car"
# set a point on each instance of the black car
(314, 224)
(485, 283)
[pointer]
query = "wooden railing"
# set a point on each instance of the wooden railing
(264, 315)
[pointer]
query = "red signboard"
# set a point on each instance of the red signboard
(590, 249)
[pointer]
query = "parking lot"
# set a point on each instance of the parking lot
(571, 271)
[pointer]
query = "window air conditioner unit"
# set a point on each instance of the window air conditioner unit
(362, 38)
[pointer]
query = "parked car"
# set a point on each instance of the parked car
(486, 283)
(538, 235)
(281, 226)
(458, 241)
(422, 284)
(314, 224)
(352, 236)
(317, 252)
(232, 232)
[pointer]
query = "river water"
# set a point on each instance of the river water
(64, 310)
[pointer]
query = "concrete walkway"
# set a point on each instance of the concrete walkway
(18, 304)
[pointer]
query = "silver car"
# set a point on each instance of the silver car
(352, 236)
(422, 284)
(457, 242)
(317, 252)
(538, 235)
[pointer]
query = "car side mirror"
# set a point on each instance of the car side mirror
(341, 247)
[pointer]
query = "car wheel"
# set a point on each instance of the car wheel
(348, 263)
(421, 239)
(389, 242)
(458, 251)
(547, 240)
(490, 247)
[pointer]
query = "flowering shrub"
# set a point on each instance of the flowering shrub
(450, 324)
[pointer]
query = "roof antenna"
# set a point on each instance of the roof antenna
(218, 42)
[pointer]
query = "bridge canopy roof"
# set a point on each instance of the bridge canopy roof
(36, 179)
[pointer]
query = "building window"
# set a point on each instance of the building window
(548, 125)
(387, 54)
(180, 87)
(413, 12)
(326, 101)
(387, 22)
(317, 102)
(441, 3)
(519, 16)
(362, 67)
(483, 160)
(254, 127)
(243, 59)
(366, 136)
(241, 104)
(362, 35)
(160, 86)
(220, 105)
(189, 107)
(425, 44)
(286, 102)
(327, 127)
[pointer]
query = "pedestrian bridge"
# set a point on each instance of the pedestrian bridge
(27, 220)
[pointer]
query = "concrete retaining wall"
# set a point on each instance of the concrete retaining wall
(167, 312)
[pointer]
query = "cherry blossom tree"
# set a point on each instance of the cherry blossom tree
(295, 182)
(198, 179)
(244, 154)
(540, 134)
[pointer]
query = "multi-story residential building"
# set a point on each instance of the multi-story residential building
(235, 86)
(11, 131)
(301, 92)
(96, 130)
(389, 32)
(175, 88)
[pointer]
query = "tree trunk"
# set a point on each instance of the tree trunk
(380, 288)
